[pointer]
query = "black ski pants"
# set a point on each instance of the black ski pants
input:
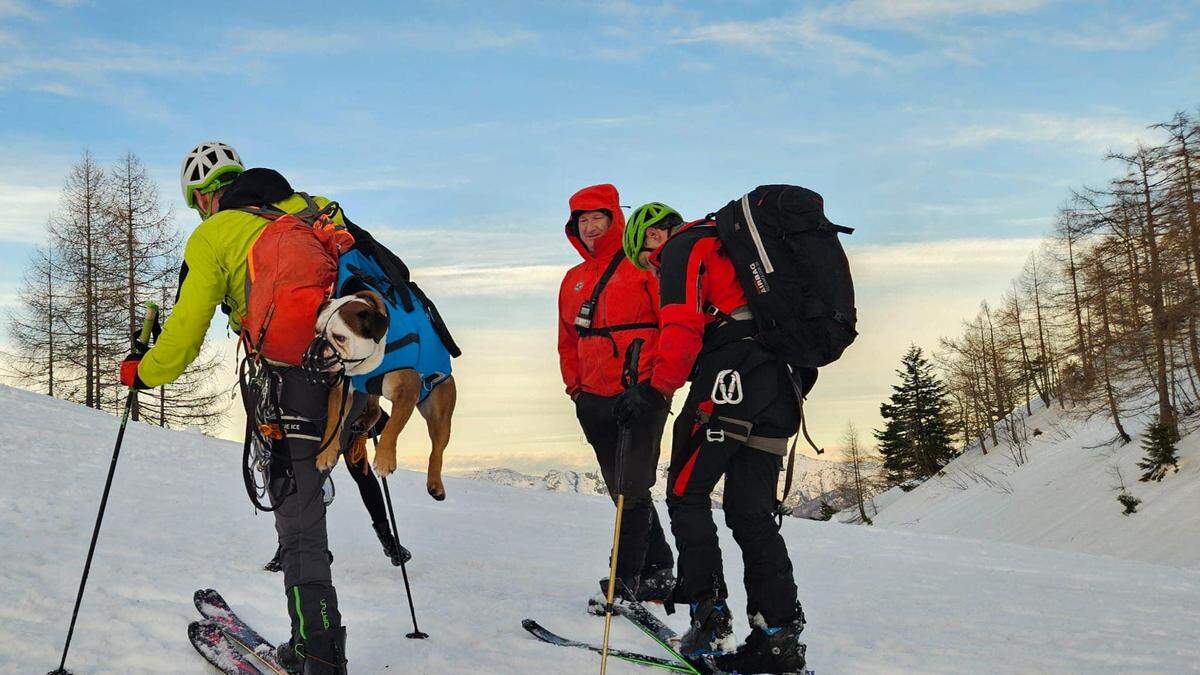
(369, 490)
(739, 382)
(296, 490)
(643, 546)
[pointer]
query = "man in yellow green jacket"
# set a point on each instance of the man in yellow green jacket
(217, 185)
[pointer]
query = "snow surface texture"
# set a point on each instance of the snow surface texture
(877, 600)
(1062, 498)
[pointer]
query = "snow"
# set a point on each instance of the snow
(1063, 497)
(878, 600)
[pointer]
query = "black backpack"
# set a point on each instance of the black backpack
(793, 271)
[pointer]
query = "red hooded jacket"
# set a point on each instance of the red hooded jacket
(592, 360)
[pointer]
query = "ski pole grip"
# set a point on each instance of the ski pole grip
(633, 355)
(148, 323)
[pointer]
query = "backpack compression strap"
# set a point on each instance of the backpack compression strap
(791, 465)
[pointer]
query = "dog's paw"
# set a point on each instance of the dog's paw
(436, 490)
(385, 463)
(327, 459)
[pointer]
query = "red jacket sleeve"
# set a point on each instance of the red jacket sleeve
(682, 316)
(568, 348)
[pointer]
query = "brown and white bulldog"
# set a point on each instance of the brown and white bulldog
(355, 327)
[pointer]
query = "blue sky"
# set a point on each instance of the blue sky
(946, 132)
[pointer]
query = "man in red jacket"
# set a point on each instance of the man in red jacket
(739, 414)
(604, 303)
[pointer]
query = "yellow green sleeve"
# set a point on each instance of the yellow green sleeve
(182, 336)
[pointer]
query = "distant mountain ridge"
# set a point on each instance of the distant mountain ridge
(813, 480)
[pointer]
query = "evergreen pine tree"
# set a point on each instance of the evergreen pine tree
(1159, 444)
(915, 440)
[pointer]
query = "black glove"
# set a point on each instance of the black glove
(140, 348)
(637, 401)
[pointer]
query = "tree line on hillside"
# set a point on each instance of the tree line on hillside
(110, 247)
(1102, 318)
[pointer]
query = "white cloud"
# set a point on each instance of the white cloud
(24, 210)
(55, 88)
(273, 40)
(15, 9)
(490, 280)
(1117, 35)
(884, 12)
(803, 32)
(895, 265)
(819, 32)
(1091, 133)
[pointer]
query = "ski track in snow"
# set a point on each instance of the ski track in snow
(877, 600)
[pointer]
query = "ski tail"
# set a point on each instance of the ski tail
(210, 642)
(212, 606)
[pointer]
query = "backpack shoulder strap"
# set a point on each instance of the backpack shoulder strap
(607, 276)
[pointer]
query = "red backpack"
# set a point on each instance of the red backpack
(291, 269)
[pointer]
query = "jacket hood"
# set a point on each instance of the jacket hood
(597, 198)
(256, 187)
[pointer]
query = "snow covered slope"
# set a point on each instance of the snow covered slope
(878, 600)
(1063, 497)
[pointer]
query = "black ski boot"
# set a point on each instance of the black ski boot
(656, 586)
(288, 659)
(711, 631)
(391, 548)
(275, 565)
(768, 650)
(325, 652)
(653, 586)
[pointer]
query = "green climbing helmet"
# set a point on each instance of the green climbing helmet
(654, 214)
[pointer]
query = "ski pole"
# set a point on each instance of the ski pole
(629, 378)
(416, 633)
(144, 337)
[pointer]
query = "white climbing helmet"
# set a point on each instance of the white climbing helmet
(204, 167)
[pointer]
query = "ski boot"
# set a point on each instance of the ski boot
(325, 652)
(288, 659)
(656, 586)
(711, 632)
(768, 650)
(392, 548)
(275, 564)
(653, 586)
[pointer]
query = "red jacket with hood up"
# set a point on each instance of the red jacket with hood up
(593, 363)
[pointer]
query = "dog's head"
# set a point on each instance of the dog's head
(355, 327)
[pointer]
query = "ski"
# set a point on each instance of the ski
(643, 618)
(546, 636)
(652, 626)
(656, 628)
(213, 607)
(211, 642)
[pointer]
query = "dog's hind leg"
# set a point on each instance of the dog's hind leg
(402, 388)
(438, 409)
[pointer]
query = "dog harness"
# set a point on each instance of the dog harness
(412, 342)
